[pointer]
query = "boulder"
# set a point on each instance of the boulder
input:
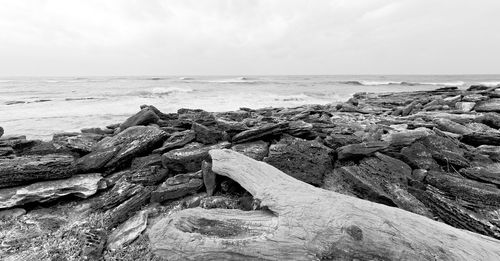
(114, 152)
(147, 176)
(127, 232)
(77, 142)
(177, 140)
(419, 156)
(493, 152)
(380, 179)
(482, 138)
(477, 194)
(206, 135)
(270, 129)
(143, 117)
(167, 192)
(335, 140)
(451, 126)
(491, 105)
(405, 138)
(255, 149)
(189, 158)
(491, 119)
(79, 185)
(465, 106)
(188, 116)
(481, 174)
(360, 149)
(300, 129)
(304, 160)
(32, 168)
(146, 161)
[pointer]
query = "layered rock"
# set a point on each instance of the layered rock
(79, 185)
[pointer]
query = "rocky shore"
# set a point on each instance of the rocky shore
(97, 194)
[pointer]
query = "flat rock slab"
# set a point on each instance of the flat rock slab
(260, 132)
(177, 140)
(170, 190)
(304, 160)
(82, 186)
(255, 149)
(78, 142)
(492, 105)
(360, 149)
(112, 152)
(32, 168)
(189, 158)
(127, 232)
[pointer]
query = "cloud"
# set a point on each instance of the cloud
(124, 37)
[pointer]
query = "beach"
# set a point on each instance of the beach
(41, 106)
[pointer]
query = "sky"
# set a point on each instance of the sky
(248, 37)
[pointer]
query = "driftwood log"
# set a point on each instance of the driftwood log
(302, 222)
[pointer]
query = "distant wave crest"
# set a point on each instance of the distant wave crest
(379, 83)
(159, 91)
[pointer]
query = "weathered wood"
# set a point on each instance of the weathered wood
(307, 223)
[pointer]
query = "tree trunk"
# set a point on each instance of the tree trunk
(302, 222)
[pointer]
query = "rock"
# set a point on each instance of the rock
(6, 150)
(491, 119)
(405, 138)
(77, 142)
(474, 98)
(419, 174)
(478, 194)
(491, 105)
(189, 158)
(335, 141)
(208, 177)
(94, 241)
(98, 131)
(32, 168)
(166, 192)
(188, 116)
(147, 176)
(120, 192)
(406, 110)
(300, 129)
(231, 127)
(451, 126)
(255, 149)
(144, 117)
(12, 213)
(1, 132)
(360, 149)
(121, 213)
(380, 179)
(207, 135)
(184, 178)
(465, 106)
(304, 160)
(447, 152)
(146, 161)
(177, 140)
(127, 232)
(114, 152)
(481, 138)
(79, 185)
(481, 174)
(221, 202)
(263, 131)
(418, 156)
(493, 152)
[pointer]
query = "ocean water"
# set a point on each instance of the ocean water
(40, 106)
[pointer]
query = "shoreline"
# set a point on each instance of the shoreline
(433, 153)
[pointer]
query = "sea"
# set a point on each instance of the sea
(38, 107)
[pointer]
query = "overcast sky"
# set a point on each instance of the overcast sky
(248, 37)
